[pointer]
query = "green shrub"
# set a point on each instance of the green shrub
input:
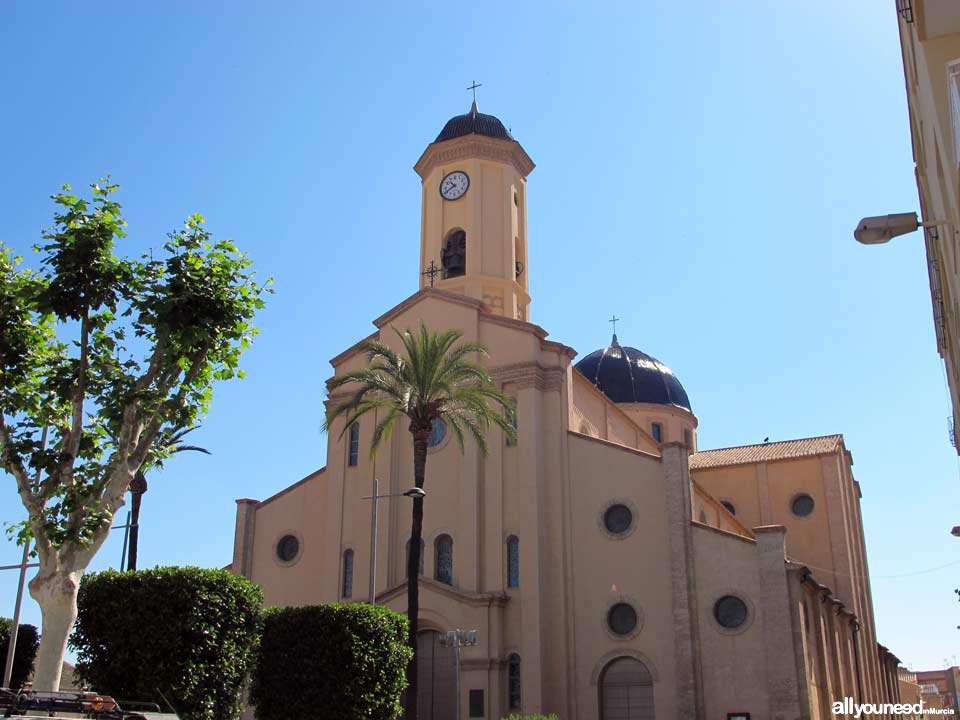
(187, 633)
(336, 662)
(28, 641)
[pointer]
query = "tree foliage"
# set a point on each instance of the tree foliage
(152, 336)
(28, 640)
(338, 662)
(187, 634)
(111, 354)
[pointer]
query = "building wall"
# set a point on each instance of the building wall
(930, 43)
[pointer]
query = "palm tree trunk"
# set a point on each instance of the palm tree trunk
(420, 437)
(137, 488)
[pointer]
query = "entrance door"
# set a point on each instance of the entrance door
(626, 691)
(437, 685)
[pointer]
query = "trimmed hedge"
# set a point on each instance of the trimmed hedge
(28, 642)
(185, 632)
(336, 662)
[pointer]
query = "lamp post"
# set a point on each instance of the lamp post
(457, 639)
(374, 499)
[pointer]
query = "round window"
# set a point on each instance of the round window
(437, 433)
(802, 505)
(731, 508)
(622, 619)
(730, 611)
(617, 519)
(288, 548)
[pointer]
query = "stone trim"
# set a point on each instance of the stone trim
(616, 655)
(618, 446)
(745, 599)
(300, 547)
(725, 533)
(470, 147)
(468, 598)
(530, 375)
(291, 488)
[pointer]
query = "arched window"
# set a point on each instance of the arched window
(514, 701)
(347, 574)
(422, 553)
(354, 444)
(453, 255)
(513, 561)
(443, 565)
(656, 429)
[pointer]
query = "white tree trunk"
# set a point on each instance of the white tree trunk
(56, 593)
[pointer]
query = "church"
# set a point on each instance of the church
(612, 569)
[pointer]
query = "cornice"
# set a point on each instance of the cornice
(530, 375)
(469, 598)
(474, 146)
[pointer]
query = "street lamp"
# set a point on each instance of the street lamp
(883, 228)
(413, 493)
(457, 639)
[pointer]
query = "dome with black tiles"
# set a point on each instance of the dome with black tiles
(626, 375)
(473, 123)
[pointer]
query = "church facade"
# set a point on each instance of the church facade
(611, 569)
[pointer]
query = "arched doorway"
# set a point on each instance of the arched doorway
(626, 691)
(436, 693)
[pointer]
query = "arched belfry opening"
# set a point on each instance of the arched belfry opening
(453, 255)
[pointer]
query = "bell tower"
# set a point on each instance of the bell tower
(473, 225)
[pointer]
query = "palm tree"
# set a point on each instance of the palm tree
(432, 380)
(168, 445)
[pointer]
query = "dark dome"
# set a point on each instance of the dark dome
(473, 123)
(626, 375)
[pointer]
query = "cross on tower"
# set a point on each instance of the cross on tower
(474, 88)
(432, 271)
(614, 321)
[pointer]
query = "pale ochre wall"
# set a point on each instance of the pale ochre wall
(926, 56)
(734, 664)
(495, 227)
(674, 421)
(707, 510)
(637, 565)
(592, 413)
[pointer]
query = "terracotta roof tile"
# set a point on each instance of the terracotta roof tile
(766, 452)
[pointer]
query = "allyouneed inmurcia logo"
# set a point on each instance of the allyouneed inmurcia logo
(849, 708)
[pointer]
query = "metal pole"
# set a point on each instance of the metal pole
(456, 644)
(15, 627)
(126, 536)
(373, 541)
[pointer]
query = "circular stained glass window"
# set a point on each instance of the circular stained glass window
(622, 619)
(730, 611)
(288, 548)
(617, 519)
(802, 505)
(731, 508)
(437, 433)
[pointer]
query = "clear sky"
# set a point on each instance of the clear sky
(700, 169)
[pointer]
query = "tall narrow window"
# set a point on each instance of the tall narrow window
(347, 574)
(443, 567)
(354, 444)
(514, 701)
(513, 421)
(453, 255)
(656, 429)
(513, 562)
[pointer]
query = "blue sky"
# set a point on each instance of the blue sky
(700, 168)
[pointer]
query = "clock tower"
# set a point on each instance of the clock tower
(474, 213)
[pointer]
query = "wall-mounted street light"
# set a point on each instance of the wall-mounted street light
(413, 493)
(457, 639)
(883, 228)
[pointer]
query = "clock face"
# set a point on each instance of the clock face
(454, 185)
